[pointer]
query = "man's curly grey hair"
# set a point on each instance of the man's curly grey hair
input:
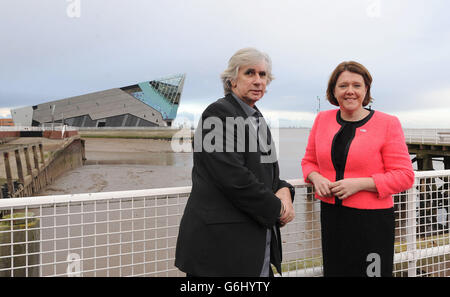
(244, 57)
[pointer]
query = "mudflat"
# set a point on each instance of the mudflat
(117, 164)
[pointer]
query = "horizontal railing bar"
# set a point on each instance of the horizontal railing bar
(94, 197)
(431, 173)
(307, 272)
(160, 193)
(419, 254)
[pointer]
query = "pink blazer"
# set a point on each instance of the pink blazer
(378, 150)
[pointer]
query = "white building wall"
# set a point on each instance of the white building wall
(22, 116)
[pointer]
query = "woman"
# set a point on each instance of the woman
(356, 158)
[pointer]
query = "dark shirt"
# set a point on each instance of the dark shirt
(341, 144)
(255, 113)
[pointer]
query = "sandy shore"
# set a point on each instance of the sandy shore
(125, 164)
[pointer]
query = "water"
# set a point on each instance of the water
(291, 148)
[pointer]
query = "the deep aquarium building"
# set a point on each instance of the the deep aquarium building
(147, 104)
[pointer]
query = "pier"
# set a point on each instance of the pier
(28, 169)
(19, 186)
(428, 145)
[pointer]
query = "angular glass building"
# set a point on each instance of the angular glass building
(146, 104)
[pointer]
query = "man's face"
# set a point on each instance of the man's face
(250, 84)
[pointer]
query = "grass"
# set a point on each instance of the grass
(429, 242)
(304, 263)
(19, 220)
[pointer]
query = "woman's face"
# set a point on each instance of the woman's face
(350, 91)
(250, 84)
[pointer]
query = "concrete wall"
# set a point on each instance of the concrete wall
(22, 116)
(5, 134)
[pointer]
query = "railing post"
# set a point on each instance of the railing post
(411, 229)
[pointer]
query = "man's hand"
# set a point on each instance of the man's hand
(288, 214)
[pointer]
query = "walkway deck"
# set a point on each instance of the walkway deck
(428, 145)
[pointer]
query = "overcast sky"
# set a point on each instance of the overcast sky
(53, 49)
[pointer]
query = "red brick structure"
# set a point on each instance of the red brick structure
(6, 122)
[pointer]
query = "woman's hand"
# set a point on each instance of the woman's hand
(346, 187)
(321, 184)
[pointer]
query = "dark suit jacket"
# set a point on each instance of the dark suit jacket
(232, 204)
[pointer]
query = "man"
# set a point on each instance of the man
(230, 226)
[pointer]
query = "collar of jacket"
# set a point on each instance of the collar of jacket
(239, 110)
(359, 123)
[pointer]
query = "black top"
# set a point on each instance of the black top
(342, 141)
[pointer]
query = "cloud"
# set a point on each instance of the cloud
(189, 114)
(428, 118)
(5, 112)
(436, 97)
(403, 43)
(283, 118)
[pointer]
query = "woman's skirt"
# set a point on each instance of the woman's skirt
(357, 242)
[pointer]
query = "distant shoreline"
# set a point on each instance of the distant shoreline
(132, 137)
(152, 134)
(160, 134)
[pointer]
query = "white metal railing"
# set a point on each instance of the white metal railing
(133, 233)
(427, 136)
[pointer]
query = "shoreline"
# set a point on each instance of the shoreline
(155, 134)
